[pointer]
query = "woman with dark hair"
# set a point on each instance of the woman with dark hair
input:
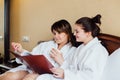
(56, 51)
(88, 62)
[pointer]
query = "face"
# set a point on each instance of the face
(60, 38)
(79, 33)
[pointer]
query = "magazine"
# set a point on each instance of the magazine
(37, 63)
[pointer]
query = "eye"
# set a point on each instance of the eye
(59, 32)
(76, 31)
(53, 33)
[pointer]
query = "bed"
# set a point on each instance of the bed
(112, 68)
(111, 43)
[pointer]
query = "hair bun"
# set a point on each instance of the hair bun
(96, 19)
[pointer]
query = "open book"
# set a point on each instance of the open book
(37, 63)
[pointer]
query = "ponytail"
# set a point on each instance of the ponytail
(96, 19)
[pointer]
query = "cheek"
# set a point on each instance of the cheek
(80, 37)
(77, 35)
(63, 37)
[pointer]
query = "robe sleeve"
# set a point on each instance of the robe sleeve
(64, 65)
(67, 61)
(25, 52)
(39, 49)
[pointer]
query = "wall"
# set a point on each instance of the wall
(1, 26)
(33, 18)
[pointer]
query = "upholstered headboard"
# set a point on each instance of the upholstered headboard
(111, 42)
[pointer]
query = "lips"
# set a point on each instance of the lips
(57, 39)
(76, 37)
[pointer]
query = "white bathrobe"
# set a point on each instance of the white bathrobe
(86, 64)
(45, 48)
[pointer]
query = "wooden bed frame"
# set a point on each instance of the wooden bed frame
(111, 42)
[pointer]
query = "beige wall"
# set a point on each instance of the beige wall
(1, 25)
(34, 18)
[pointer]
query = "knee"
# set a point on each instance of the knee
(6, 76)
(11, 76)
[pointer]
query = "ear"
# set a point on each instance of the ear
(89, 34)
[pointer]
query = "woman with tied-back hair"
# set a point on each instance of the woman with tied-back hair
(88, 62)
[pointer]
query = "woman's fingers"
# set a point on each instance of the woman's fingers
(57, 56)
(58, 72)
(17, 47)
(55, 52)
(54, 70)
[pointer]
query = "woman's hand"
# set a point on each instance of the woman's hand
(57, 56)
(58, 72)
(17, 47)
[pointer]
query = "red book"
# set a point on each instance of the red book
(38, 63)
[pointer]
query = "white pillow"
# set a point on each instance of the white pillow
(112, 69)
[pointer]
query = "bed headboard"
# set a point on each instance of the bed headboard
(111, 42)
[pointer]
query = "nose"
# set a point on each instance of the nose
(74, 33)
